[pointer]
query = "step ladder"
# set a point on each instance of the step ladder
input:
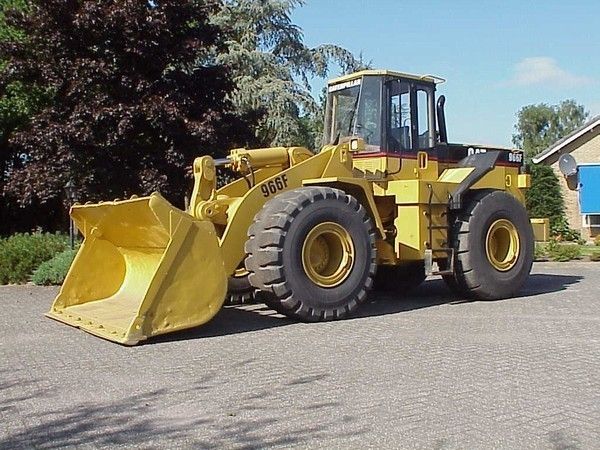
(431, 267)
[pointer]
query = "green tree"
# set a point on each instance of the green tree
(538, 127)
(7, 32)
(19, 101)
(138, 96)
(272, 68)
(544, 199)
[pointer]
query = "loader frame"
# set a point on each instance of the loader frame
(163, 269)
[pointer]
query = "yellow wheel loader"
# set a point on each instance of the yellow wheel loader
(386, 202)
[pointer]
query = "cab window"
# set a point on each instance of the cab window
(399, 134)
(367, 119)
(354, 109)
(424, 132)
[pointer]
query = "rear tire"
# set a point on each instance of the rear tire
(311, 253)
(400, 279)
(451, 281)
(493, 240)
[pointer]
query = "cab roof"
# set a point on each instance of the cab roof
(392, 73)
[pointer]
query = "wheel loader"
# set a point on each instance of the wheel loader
(386, 202)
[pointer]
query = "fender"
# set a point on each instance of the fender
(358, 188)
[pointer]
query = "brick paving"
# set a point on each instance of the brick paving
(427, 371)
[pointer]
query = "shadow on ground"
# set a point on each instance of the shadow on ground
(145, 420)
(247, 318)
(540, 283)
(231, 320)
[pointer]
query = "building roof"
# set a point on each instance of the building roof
(579, 133)
(353, 76)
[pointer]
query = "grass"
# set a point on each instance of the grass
(588, 250)
(555, 251)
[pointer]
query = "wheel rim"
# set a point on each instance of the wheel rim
(328, 254)
(502, 245)
(240, 273)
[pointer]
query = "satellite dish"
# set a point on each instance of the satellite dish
(567, 165)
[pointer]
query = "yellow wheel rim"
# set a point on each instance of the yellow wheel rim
(328, 254)
(240, 273)
(502, 245)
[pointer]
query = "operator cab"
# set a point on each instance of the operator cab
(392, 112)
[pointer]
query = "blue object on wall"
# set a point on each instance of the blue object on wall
(589, 188)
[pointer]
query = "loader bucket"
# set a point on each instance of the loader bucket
(144, 268)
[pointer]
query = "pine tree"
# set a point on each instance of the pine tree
(544, 198)
(272, 68)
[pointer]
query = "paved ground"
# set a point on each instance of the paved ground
(429, 371)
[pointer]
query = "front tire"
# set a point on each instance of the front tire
(239, 289)
(311, 253)
(493, 240)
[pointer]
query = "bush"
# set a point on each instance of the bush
(545, 199)
(54, 270)
(567, 252)
(597, 241)
(539, 252)
(561, 231)
(22, 253)
(595, 256)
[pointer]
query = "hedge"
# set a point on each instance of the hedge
(54, 270)
(22, 253)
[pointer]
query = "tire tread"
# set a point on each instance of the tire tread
(265, 254)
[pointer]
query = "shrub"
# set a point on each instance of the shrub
(565, 252)
(540, 252)
(545, 199)
(21, 253)
(54, 270)
(595, 256)
(597, 241)
(561, 230)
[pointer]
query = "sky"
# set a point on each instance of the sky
(497, 56)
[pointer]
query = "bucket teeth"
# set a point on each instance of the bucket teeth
(241, 299)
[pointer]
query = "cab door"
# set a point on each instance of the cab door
(423, 116)
(399, 134)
